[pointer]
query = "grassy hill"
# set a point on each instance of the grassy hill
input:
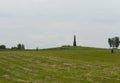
(60, 65)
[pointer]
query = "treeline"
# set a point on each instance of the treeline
(18, 47)
(2, 47)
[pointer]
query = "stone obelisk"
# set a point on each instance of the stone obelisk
(74, 42)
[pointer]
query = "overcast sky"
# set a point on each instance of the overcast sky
(52, 23)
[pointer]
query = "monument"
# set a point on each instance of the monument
(74, 42)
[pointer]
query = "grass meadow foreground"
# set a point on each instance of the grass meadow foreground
(60, 65)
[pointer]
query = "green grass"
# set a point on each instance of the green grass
(60, 65)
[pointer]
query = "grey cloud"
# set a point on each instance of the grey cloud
(47, 23)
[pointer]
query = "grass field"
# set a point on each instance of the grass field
(60, 65)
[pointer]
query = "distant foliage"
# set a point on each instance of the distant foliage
(37, 49)
(114, 42)
(66, 46)
(117, 42)
(110, 42)
(2, 47)
(13, 47)
(19, 47)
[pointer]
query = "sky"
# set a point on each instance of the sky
(53, 23)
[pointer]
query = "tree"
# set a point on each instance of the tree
(74, 43)
(22, 47)
(114, 42)
(116, 39)
(2, 47)
(19, 46)
(37, 49)
(110, 42)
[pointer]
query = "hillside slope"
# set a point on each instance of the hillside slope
(60, 65)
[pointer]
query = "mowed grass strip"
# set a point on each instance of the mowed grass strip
(60, 65)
